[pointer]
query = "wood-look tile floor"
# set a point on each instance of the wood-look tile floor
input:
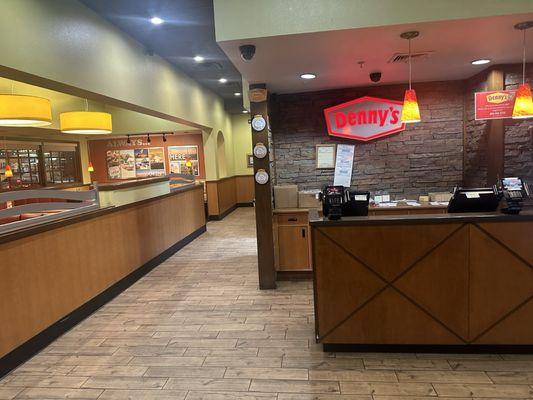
(198, 328)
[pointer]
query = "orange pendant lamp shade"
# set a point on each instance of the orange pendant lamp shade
(90, 168)
(410, 110)
(8, 172)
(523, 103)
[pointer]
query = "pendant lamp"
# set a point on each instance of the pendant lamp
(90, 167)
(410, 110)
(523, 103)
(8, 173)
(19, 110)
(85, 122)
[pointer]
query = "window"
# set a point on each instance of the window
(36, 164)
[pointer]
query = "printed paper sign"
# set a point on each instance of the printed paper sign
(344, 165)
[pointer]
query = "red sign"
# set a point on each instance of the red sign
(497, 104)
(365, 118)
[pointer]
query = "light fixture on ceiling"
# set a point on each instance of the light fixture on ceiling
(20, 110)
(245, 111)
(237, 94)
(198, 59)
(128, 140)
(164, 137)
(222, 80)
(148, 139)
(410, 110)
(481, 61)
(523, 103)
(308, 75)
(86, 122)
(156, 21)
(90, 167)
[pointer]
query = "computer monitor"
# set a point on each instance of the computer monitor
(474, 200)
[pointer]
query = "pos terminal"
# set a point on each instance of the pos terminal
(514, 191)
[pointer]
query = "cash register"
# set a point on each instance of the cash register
(338, 201)
(474, 200)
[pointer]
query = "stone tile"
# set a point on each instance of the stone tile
(326, 363)
(56, 381)
(143, 394)
(167, 361)
(57, 393)
(106, 370)
(294, 386)
(124, 383)
(492, 365)
(231, 361)
(183, 372)
(393, 389)
(443, 376)
(403, 363)
(356, 376)
(208, 384)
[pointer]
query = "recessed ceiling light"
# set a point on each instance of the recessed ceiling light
(156, 20)
(481, 61)
(245, 111)
(237, 94)
(199, 59)
(222, 80)
(308, 76)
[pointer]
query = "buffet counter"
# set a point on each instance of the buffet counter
(441, 279)
(54, 274)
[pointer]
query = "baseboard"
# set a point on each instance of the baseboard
(248, 204)
(220, 217)
(418, 348)
(294, 275)
(28, 349)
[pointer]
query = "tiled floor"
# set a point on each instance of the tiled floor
(198, 328)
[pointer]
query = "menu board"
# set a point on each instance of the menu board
(120, 164)
(178, 157)
(135, 163)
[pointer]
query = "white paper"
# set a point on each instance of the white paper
(344, 165)
(387, 204)
(472, 195)
(360, 197)
(325, 157)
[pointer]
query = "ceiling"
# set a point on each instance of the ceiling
(334, 55)
(188, 31)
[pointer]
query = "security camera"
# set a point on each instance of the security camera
(247, 51)
(375, 76)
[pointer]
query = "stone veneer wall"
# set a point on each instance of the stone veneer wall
(427, 156)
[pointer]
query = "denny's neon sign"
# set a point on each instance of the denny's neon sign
(365, 118)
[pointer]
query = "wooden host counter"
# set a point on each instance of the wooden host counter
(443, 279)
(53, 275)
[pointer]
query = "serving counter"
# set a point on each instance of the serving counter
(441, 279)
(54, 274)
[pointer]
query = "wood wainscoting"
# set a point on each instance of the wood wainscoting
(48, 273)
(224, 195)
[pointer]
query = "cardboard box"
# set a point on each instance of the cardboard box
(440, 196)
(307, 199)
(286, 196)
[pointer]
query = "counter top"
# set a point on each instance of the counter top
(315, 220)
(46, 226)
(107, 186)
(291, 210)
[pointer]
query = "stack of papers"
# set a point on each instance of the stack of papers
(387, 204)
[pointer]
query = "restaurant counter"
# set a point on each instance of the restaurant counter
(54, 274)
(441, 279)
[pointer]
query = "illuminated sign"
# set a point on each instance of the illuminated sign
(365, 118)
(494, 105)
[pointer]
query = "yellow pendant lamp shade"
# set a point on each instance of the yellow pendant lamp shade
(410, 110)
(523, 103)
(90, 167)
(19, 110)
(85, 122)
(8, 172)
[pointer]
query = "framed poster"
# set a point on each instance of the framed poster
(156, 156)
(249, 160)
(142, 163)
(325, 156)
(178, 157)
(120, 164)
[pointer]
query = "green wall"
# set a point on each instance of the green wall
(242, 136)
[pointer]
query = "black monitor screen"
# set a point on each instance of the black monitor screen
(512, 183)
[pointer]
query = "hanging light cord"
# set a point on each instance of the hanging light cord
(524, 58)
(410, 64)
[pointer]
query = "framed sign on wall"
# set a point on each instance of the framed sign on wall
(325, 156)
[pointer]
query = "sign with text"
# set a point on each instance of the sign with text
(365, 118)
(497, 104)
(344, 165)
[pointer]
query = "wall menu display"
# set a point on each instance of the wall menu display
(120, 164)
(135, 163)
(325, 156)
(344, 165)
(149, 162)
(178, 157)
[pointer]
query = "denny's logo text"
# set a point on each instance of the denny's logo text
(500, 97)
(365, 118)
